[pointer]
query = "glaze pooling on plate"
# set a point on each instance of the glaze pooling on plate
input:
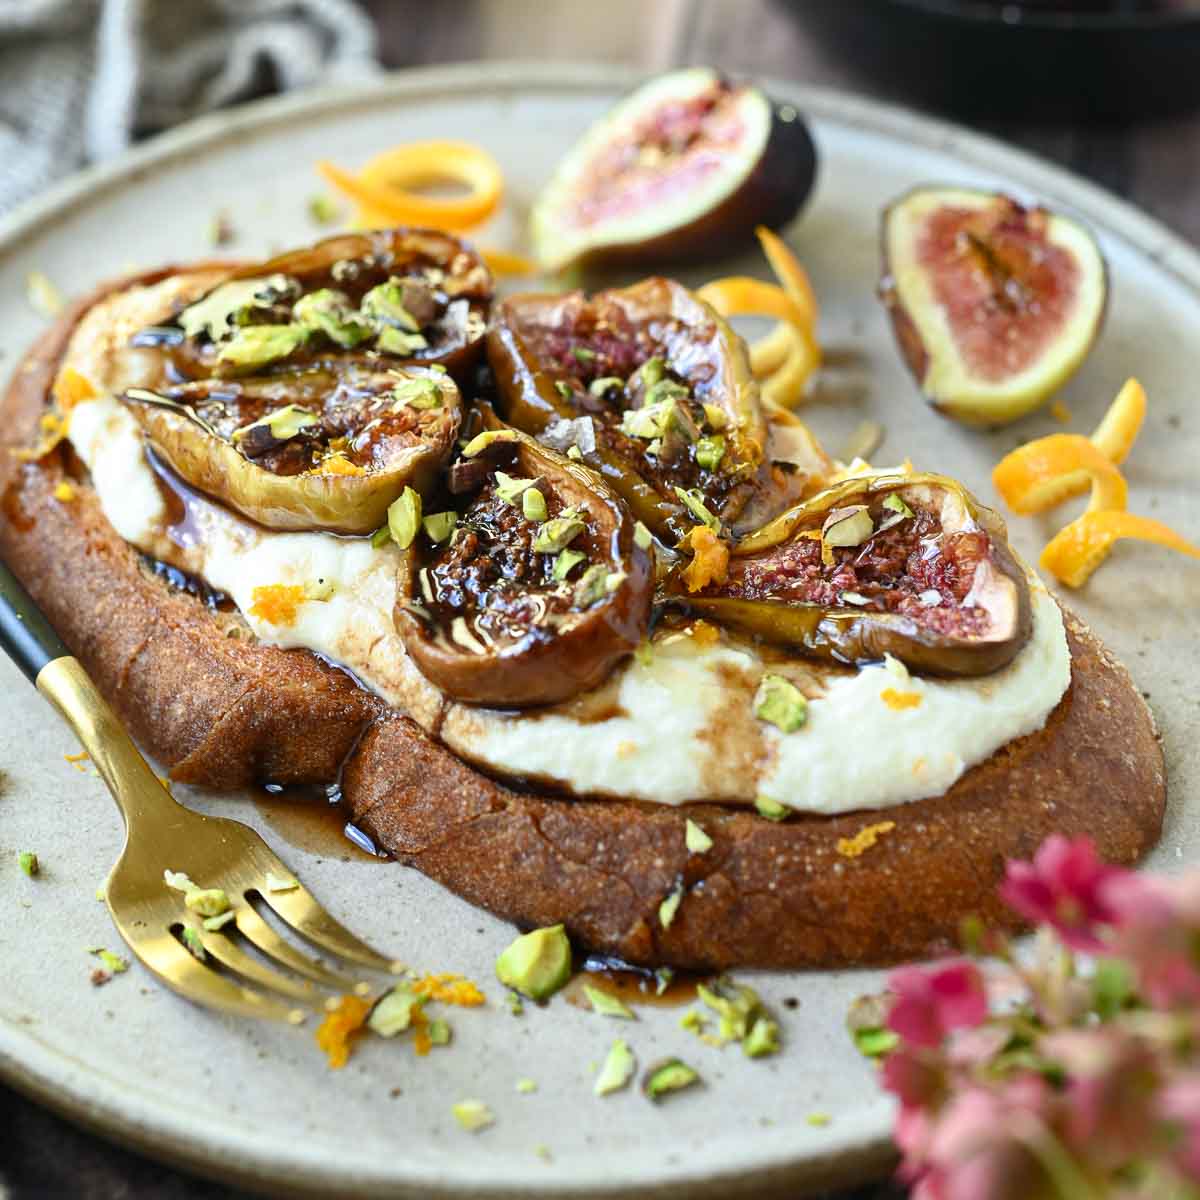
(715, 1140)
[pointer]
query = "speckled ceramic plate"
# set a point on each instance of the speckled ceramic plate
(255, 1103)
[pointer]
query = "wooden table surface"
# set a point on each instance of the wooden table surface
(1155, 164)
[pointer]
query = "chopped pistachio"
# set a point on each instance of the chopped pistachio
(234, 303)
(481, 441)
(257, 345)
(693, 501)
(440, 525)
(697, 841)
(208, 902)
(396, 341)
(652, 370)
(212, 924)
(284, 423)
(328, 311)
(875, 1042)
(606, 1005)
(514, 1004)
(43, 295)
(644, 654)
(565, 390)
(710, 451)
(649, 421)
(574, 453)
(716, 417)
(771, 809)
(526, 1086)
(113, 962)
(617, 1071)
(178, 880)
(592, 586)
(662, 979)
(509, 487)
(894, 503)
(537, 964)
(856, 598)
(381, 537)
(583, 354)
(642, 537)
(386, 303)
(848, 526)
(605, 384)
(669, 907)
(415, 391)
(28, 862)
(817, 1119)
(542, 1151)
(404, 517)
(671, 1075)
(191, 939)
(763, 1038)
(473, 1115)
(735, 1005)
(439, 1032)
(613, 581)
(323, 209)
(781, 703)
(393, 1011)
(281, 883)
(533, 505)
(566, 561)
(665, 391)
(557, 534)
(693, 1021)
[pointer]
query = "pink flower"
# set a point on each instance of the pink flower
(1064, 886)
(1180, 1105)
(1158, 932)
(929, 1002)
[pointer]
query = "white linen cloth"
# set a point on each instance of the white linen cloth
(79, 79)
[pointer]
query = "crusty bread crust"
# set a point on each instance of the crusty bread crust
(193, 686)
(772, 894)
(224, 711)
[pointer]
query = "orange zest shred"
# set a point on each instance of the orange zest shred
(78, 761)
(1060, 412)
(339, 464)
(705, 633)
(1115, 435)
(341, 1026)
(54, 429)
(505, 262)
(710, 559)
(389, 186)
(64, 491)
(899, 701)
(1079, 548)
(450, 989)
(1045, 472)
(72, 387)
(422, 1042)
(784, 359)
(815, 535)
(864, 839)
(277, 603)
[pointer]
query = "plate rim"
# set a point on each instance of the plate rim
(62, 1083)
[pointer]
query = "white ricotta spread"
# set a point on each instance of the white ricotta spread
(676, 727)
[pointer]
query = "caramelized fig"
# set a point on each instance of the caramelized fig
(687, 162)
(907, 565)
(994, 305)
(531, 586)
(327, 446)
(412, 295)
(648, 385)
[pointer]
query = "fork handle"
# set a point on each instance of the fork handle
(27, 637)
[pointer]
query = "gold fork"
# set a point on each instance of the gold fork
(215, 852)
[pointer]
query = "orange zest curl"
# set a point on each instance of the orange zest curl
(277, 603)
(1078, 549)
(710, 559)
(388, 189)
(1045, 472)
(450, 989)
(341, 1027)
(784, 359)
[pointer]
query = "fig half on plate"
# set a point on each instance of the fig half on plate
(647, 385)
(328, 446)
(687, 162)
(994, 305)
(907, 565)
(530, 586)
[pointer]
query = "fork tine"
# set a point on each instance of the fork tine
(301, 911)
(183, 973)
(256, 930)
(229, 954)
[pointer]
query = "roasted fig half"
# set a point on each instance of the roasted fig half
(907, 565)
(687, 162)
(994, 305)
(410, 295)
(327, 446)
(530, 586)
(647, 385)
